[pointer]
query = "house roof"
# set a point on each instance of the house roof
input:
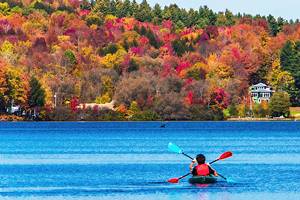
(259, 85)
(268, 90)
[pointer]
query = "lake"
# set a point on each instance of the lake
(120, 160)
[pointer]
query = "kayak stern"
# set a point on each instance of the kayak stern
(202, 179)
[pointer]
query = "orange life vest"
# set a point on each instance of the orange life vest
(202, 170)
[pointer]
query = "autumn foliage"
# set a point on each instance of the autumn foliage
(169, 63)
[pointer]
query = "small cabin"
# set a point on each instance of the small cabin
(261, 92)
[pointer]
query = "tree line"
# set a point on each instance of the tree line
(154, 63)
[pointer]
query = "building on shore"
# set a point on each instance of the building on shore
(109, 106)
(260, 92)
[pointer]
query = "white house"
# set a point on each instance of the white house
(261, 92)
(109, 106)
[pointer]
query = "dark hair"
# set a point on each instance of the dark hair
(200, 159)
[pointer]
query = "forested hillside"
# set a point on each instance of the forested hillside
(154, 63)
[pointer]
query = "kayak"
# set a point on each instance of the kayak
(203, 179)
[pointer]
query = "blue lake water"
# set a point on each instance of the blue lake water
(117, 160)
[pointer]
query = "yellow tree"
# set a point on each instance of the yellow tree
(219, 69)
(17, 87)
(113, 60)
(280, 79)
(7, 52)
(197, 71)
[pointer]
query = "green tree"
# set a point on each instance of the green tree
(3, 88)
(152, 38)
(144, 13)
(233, 111)
(193, 17)
(157, 14)
(36, 96)
(93, 18)
(39, 5)
(133, 66)
(290, 62)
(147, 115)
(280, 104)
(259, 110)
(229, 18)
(275, 26)
(134, 107)
(180, 47)
(69, 58)
(102, 6)
(207, 16)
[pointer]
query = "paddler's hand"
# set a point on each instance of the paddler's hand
(216, 174)
(194, 161)
(192, 165)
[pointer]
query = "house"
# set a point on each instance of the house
(13, 109)
(261, 92)
(109, 106)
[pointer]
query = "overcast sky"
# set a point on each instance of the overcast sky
(288, 9)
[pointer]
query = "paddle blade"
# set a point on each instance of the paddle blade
(225, 155)
(229, 180)
(174, 148)
(173, 180)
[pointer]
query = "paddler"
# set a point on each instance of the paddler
(202, 169)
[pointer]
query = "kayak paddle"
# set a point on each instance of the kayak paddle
(223, 156)
(176, 180)
(176, 149)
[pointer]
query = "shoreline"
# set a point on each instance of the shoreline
(165, 122)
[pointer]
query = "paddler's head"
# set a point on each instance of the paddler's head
(200, 159)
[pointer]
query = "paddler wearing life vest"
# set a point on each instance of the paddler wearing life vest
(202, 169)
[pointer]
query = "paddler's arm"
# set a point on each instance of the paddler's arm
(212, 171)
(192, 165)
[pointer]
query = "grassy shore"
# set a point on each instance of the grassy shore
(261, 119)
(295, 116)
(295, 112)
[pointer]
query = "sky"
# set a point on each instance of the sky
(288, 9)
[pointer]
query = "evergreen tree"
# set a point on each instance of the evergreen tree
(290, 61)
(207, 15)
(113, 7)
(143, 31)
(102, 6)
(133, 66)
(36, 94)
(157, 14)
(287, 56)
(229, 18)
(273, 25)
(152, 39)
(180, 47)
(280, 104)
(134, 7)
(126, 9)
(144, 12)
(193, 17)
